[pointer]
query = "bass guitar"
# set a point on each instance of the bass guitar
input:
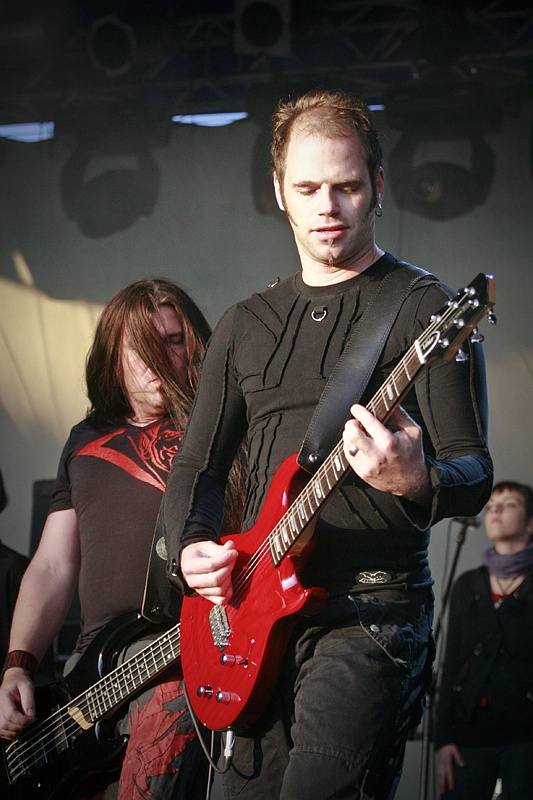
(73, 737)
(232, 653)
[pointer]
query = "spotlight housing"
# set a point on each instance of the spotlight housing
(441, 190)
(112, 45)
(113, 199)
(262, 26)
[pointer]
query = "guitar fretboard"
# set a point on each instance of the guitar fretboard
(134, 673)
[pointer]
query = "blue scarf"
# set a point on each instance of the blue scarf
(509, 566)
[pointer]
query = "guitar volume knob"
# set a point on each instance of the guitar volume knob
(229, 661)
(223, 697)
(204, 691)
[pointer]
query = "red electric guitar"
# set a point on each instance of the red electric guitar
(231, 654)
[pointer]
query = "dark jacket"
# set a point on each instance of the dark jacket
(486, 690)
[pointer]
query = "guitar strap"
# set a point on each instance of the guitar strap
(356, 364)
(161, 601)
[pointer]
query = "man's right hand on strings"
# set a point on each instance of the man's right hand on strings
(207, 567)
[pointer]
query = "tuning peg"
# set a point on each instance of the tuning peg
(476, 337)
(491, 316)
(461, 355)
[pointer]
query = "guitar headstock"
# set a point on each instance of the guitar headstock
(458, 320)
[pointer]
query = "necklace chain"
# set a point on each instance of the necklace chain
(507, 585)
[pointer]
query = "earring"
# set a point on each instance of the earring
(378, 211)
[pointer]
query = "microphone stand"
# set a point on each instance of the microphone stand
(427, 718)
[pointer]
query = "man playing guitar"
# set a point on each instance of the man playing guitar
(141, 376)
(353, 674)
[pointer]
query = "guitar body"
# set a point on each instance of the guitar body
(229, 683)
(54, 762)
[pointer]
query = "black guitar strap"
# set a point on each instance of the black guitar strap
(161, 601)
(356, 364)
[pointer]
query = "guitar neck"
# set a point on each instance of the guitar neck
(318, 490)
(126, 679)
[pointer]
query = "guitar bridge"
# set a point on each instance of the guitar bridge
(220, 628)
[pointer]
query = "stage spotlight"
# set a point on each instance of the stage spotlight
(261, 104)
(113, 200)
(112, 45)
(111, 178)
(262, 27)
(262, 186)
(440, 190)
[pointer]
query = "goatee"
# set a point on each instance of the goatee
(330, 254)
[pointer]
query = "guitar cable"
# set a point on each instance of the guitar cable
(228, 740)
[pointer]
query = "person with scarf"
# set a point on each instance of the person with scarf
(484, 725)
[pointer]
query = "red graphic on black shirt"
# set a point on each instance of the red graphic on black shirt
(156, 744)
(150, 456)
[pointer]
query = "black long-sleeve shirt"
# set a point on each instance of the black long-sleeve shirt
(265, 368)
